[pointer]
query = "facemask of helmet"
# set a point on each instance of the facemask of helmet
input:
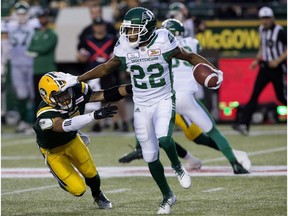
(138, 26)
(64, 100)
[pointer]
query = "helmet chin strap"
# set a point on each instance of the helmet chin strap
(135, 44)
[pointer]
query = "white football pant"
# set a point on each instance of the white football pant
(152, 123)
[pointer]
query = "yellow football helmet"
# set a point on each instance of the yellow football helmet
(50, 89)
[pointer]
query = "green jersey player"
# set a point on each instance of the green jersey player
(147, 54)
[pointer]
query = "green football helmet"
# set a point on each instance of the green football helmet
(178, 11)
(139, 22)
(174, 26)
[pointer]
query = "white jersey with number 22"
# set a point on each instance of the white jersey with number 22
(150, 69)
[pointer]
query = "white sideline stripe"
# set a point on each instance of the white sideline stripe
(28, 190)
(267, 151)
(110, 172)
(213, 190)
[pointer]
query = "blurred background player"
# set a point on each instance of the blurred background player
(192, 24)
(5, 56)
(191, 114)
(42, 49)
(21, 30)
(272, 59)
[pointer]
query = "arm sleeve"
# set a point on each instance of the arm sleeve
(77, 122)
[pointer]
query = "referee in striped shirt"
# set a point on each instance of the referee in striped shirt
(272, 57)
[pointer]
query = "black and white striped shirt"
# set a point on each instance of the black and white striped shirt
(273, 42)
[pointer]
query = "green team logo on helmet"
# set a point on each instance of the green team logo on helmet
(174, 26)
(138, 26)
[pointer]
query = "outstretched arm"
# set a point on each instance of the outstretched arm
(101, 70)
(112, 94)
(59, 124)
(96, 72)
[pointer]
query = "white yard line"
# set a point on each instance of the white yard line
(118, 190)
(212, 190)
(29, 189)
(21, 158)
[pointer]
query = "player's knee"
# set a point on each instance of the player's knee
(78, 188)
(188, 135)
(165, 142)
(150, 156)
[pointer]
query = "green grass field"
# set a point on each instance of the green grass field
(139, 195)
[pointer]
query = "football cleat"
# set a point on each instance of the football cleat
(135, 154)
(241, 128)
(183, 176)
(238, 168)
(243, 159)
(167, 203)
(102, 201)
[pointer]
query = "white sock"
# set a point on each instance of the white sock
(190, 157)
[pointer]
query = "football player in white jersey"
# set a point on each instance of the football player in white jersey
(147, 54)
(191, 114)
(20, 30)
(189, 108)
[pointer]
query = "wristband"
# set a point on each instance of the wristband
(128, 89)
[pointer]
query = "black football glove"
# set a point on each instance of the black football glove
(105, 112)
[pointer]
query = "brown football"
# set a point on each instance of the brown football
(205, 75)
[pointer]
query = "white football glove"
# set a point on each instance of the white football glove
(220, 79)
(70, 80)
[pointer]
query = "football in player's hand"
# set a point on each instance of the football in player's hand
(205, 75)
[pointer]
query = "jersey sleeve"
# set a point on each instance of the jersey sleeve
(83, 89)
(119, 47)
(168, 43)
(171, 42)
(45, 117)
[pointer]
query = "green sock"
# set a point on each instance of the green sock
(168, 144)
(22, 109)
(203, 139)
(137, 144)
(222, 144)
(157, 171)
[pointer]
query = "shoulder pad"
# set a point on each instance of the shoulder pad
(46, 124)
